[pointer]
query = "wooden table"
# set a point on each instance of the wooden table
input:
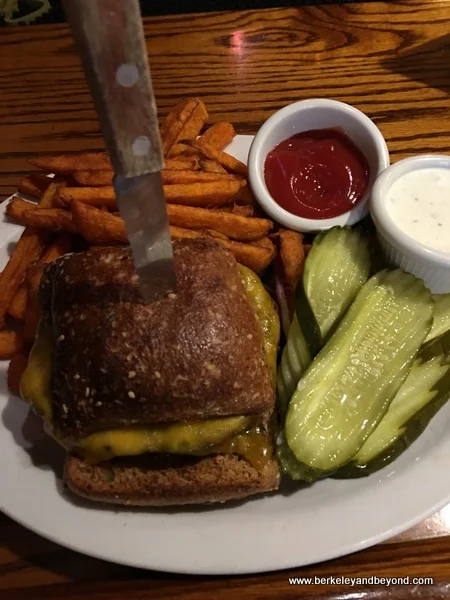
(390, 60)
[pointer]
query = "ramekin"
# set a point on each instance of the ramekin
(399, 248)
(319, 113)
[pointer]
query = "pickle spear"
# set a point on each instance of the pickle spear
(336, 268)
(348, 387)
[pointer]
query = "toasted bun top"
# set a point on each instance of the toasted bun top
(197, 354)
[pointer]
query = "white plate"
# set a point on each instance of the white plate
(291, 528)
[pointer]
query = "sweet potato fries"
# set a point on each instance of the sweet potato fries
(207, 196)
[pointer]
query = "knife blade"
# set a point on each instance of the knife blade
(110, 40)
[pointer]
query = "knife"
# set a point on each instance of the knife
(109, 38)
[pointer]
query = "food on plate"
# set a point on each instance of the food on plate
(10, 344)
(313, 397)
(93, 178)
(214, 193)
(184, 122)
(349, 385)
(292, 257)
(210, 193)
(317, 174)
(441, 316)
(69, 163)
(61, 245)
(101, 196)
(336, 268)
(212, 166)
(418, 203)
(364, 366)
(50, 219)
(98, 227)
(181, 150)
(28, 249)
(190, 377)
(172, 177)
(234, 226)
(34, 184)
(231, 164)
(219, 135)
(101, 228)
(422, 394)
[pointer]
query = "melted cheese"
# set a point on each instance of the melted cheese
(238, 435)
(176, 438)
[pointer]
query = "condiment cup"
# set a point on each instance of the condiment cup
(305, 115)
(399, 248)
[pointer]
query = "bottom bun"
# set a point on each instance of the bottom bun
(161, 480)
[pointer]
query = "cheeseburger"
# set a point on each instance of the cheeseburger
(164, 403)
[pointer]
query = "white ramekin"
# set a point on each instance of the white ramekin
(317, 113)
(400, 249)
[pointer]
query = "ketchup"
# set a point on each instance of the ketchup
(317, 174)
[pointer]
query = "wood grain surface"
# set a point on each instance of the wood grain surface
(390, 60)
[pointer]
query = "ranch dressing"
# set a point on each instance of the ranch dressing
(419, 203)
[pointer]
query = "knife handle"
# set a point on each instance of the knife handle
(110, 39)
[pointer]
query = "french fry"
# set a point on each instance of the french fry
(100, 197)
(34, 277)
(237, 209)
(215, 234)
(183, 163)
(18, 304)
(28, 249)
(256, 257)
(61, 245)
(182, 150)
(202, 194)
(16, 207)
(219, 135)
(233, 226)
(34, 185)
(50, 219)
(292, 256)
(16, 368)
(98, 227)
(209, 193)
(211, 166)
(179, 233)
(33, 312)
(69, 163)
(253, 256)
(194, 124)
(49, 198)
(175, 124)
(245, 197)
(93, 178)
(10, 343)
(226, 160)
(172, 177)
(244, 210)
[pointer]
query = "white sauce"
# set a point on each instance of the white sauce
(419, 203)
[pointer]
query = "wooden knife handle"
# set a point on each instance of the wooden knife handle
(110, 40)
